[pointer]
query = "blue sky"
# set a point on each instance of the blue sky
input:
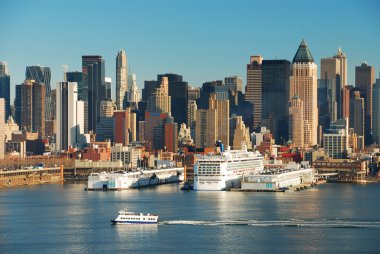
(202, 40)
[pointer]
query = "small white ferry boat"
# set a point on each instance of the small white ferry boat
(126, 217)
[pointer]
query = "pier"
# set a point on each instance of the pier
(32, 176)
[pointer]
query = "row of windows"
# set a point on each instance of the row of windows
(136, 218)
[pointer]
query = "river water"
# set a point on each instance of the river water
(332, 218)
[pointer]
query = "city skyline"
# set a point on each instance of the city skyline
(208, 41)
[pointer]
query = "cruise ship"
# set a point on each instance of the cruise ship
(126, 217)
(225, 170)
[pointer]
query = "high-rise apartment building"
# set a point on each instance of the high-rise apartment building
(30, 107)
(122, 126)
(303, 83)
(70, 117)
(253, 89)
(364, 80)
(171, 135)
(296, 121)
(153, 131)
(121, 78)
(42, 75)
(275, 98)
(94, 88)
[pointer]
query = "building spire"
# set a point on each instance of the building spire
(303, 54)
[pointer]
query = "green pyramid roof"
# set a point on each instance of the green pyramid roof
(303, 54)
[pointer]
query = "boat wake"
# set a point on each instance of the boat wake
(280, 223)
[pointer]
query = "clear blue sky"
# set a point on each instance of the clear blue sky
(202, 40)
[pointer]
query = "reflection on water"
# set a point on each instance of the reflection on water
(129, 230)
(67, 219)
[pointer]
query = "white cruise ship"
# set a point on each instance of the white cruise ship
(126, 217)
(225, 170)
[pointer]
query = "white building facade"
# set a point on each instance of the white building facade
(70, 116)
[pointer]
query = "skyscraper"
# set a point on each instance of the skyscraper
(94, 88)
(2, 128)
(160, 101)
(191, 116)
(296, 121)
(122, 126)
(42, 76)
(133, 94)
(76, 76)
(30, 107)
(376, 112)
(5, 90)
(178, 90)
(213, 124)
(364, 80)
(108, 83)
(327, 105)
(121, 78)
(235, 85)
(275, 97)
(334, 69)
(303, 83)
(212, 87)
(239, 133)
(357, 115)
(253, 89)
(342, 59)
(70, 116)
(4, 69)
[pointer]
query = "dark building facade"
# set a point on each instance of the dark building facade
(42, 75)
(178, 91)
(30, 107)
(275, 97)
(324, 104)
(149, 88)
(93, 88)
(217, 87)
(364, 80)
(76, 76)
(5, 92)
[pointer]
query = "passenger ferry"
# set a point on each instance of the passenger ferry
(225, 170)
(126, 217)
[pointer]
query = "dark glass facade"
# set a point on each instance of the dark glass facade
(76, 76)
(5, 92)
(275, 97)
(94, 88)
